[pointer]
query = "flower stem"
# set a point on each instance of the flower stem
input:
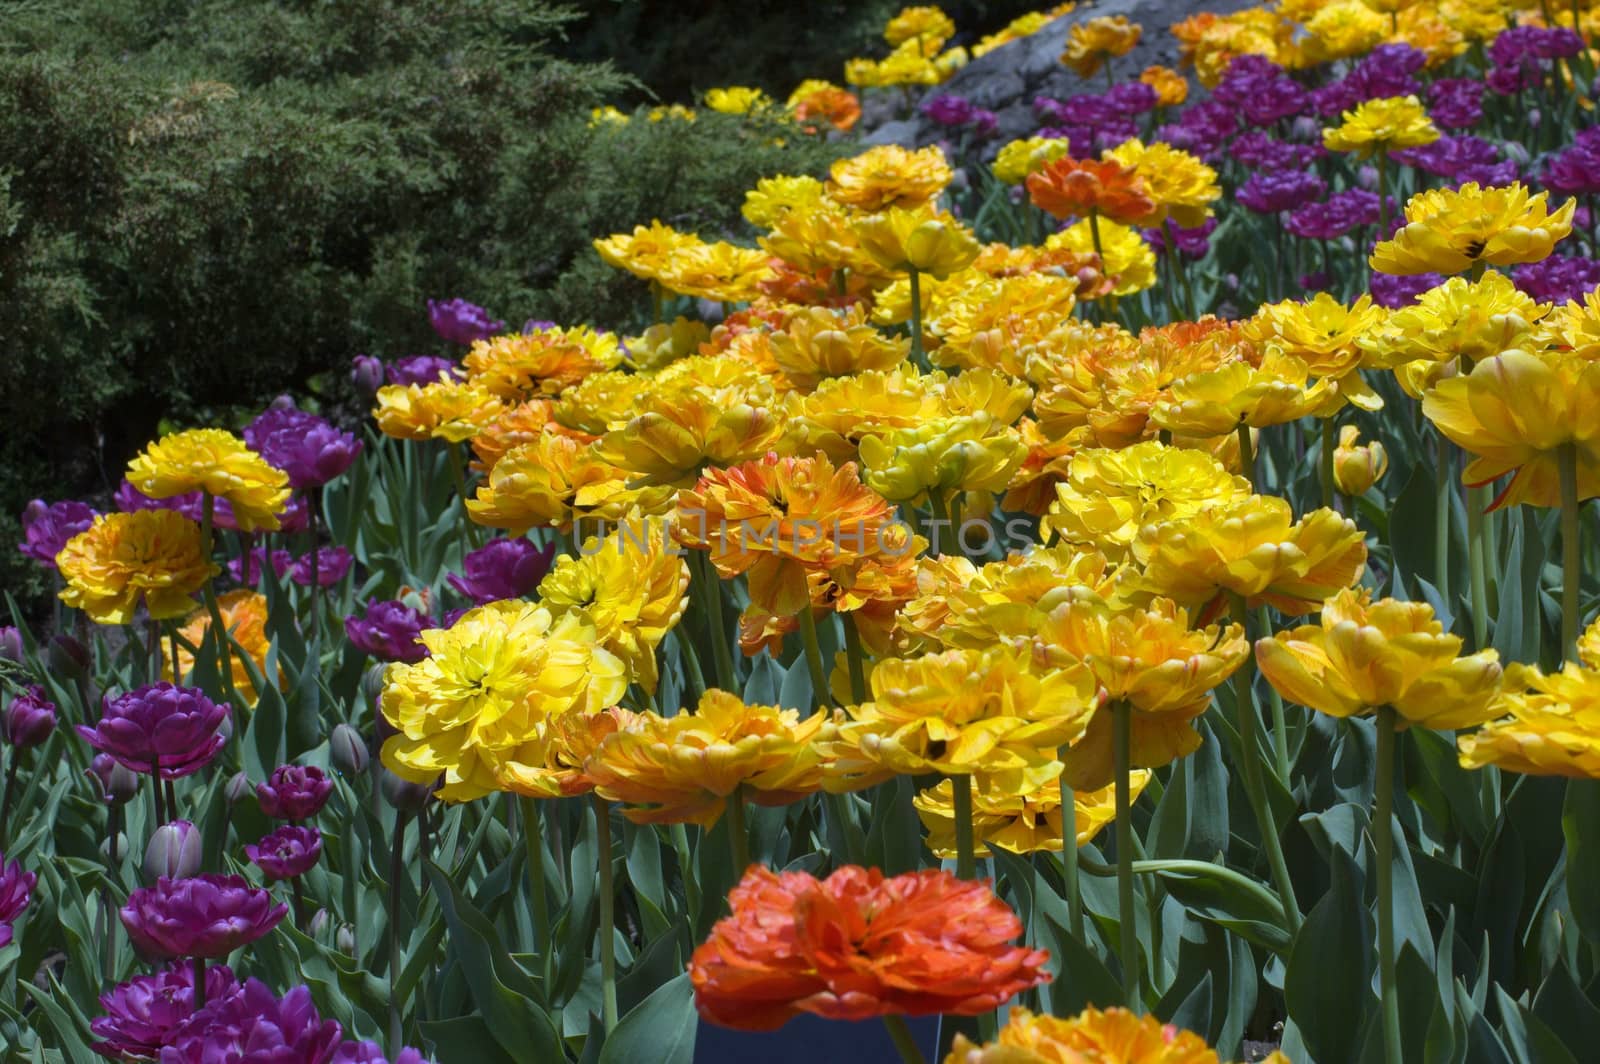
(299, 897)
(1379, 159)
(854, 657)
(533, 843)
(1122, 733)
(721, 653)
(1280, 726)
(1383, 846)
(966, 863)
(738, 832)
(1247, 456)
(918, 356)
(199, 983)
(1477, 567)
(909, 1053)
(219, 633)
(608, 934)
(1326, 461)
(691, 886)
(1069, 857)
(1571, 541)
(313, 502)
(1178, 269)
(1441, 522)
(155, 789)
(819, 677)
(1250, 759)
(396, 868)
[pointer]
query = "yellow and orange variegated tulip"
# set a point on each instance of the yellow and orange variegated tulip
(968, 452)
(1254, 548)
(122, 560)
(999, 322)
(684, 768)
(682, 430)
(545, 362)
(1018, 820)
(643, 252)
(889, 176)
(1217, 402)
(1357, 466)
(1109, 495)
(720, 271)
(820, 239)
(1182, 186)
(1090, 1037)
(959, 712)
(1146, 657)
(244, 617)
(1513, 412)
(776, 519)
(1324, 334)
(552, 765)
(1451, 230)
(631, 587)
(1091, 42)
(491, 683)
(1364, 654)
(821, 342)
(903, 239)
(1546, 725)
(444, 410)
(220, 464)
(556, 480)
(514, 426)
(1458, 319)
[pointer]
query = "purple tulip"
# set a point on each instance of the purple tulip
(1456, 103)
(421, 369)
(1267, 193)
(1259, 151)
(503, 568)
(461, 322)
(1385, 71)
(29, 719)
(1334, 218)
(366, 373)
(1460, 159)
(348, 750)
(1314, 282)
(46, 529)
(294, 792)
(16, 889)
(257, 1026)
(206, 916)
(144, 1014)
(117, 784)
(533, 325)
(1192, 243)
(247, 569)
(948, 110)
(1131, 98)
(177, 728)
(1558, 279)
(303, 445)
(389, 631)
(173, 852)
(332, 565)
(287, 852)
(11, 646)
(372, 1053)
(1394, 292)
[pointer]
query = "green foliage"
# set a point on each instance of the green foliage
(202, 205)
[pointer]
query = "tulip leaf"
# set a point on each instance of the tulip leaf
(1580, 822)
(503, 992)
(467, 1040)
(1563, 1007)
(1224, 897)
(262, 747)
(1327, 985)
(1082, 978)
(73, 1046)
(660, 1029)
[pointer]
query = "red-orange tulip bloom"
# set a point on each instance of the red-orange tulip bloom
(1075, 188)
(858, 945)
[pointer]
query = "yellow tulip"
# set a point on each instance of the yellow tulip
(1356, 467)
(917, 239)
(1451, 230)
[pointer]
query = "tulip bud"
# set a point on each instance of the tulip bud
(114, 848)
(1515, 152)
(348, 750)
(116, 783)
(174, 852)
(36, 510)
(1306, 128)
(237, 788)
(11, 644)
(67, 656)
(318, 924)
(1367, 177)
(372, 684)
(282, 402)
(366, 373)
(344, 940)
(1534, 117)
(1356, 468)
(29, 719)
(403, 794)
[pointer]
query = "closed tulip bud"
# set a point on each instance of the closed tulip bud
(318, 924)
(372, 684)
(366, 373)
(348, 751)
(29, 719)
(1357, 467)
(174, 852)
(11, 644)
(116, 783)
(114, 848)
(237, 788)
(403, 794)
(344, 940)
(67, 656)
(1367, 178)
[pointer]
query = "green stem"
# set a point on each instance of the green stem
(966, 863)
(1069, 857)
(819, 677)
(691, 886)
(721, 651)
(940, 519)
(1280, 726)
(533, 842)
(1247, 455)
(1441, 521)
(219, 633)
(313, 501)
(901, 1034)
(199, 983)
(1249, 725)
(918, 356)
(1383, 203)
(608, 934)
(1327, 461)
(1477, 566)
(1383, 845)
(1571, 541)
(396, 869)
(1122, 732)
(855, 658)
(1178, 269)
(738, 832)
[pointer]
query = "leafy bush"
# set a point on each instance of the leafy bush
(204, 204)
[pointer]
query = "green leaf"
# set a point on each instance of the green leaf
(73, 1047)
(660, 1029)
(503, 992)
(1082, 978)
(1327, 987)
(1580, 823)
(467, 1040)
(1224, 897)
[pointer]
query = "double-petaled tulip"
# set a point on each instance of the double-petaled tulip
(857, 945)
(1093, 1035)
(159, 728)
(294, 792)
(1028, 819)
(1090, 44)
(1324, 334)
(206, 916)
(443, 409)
(971, 452)
(1381, 125)
(219, 464)
(1451, 230)
(1364, 655)
(1182, 187)
(306, 447)
(149, 557)
(287, 853)
(1079, 188)
(46, 529)
(143, 1015)
(244, 618)
(889, 176)
(1219, 401)
(919, 239)
(819, 342)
